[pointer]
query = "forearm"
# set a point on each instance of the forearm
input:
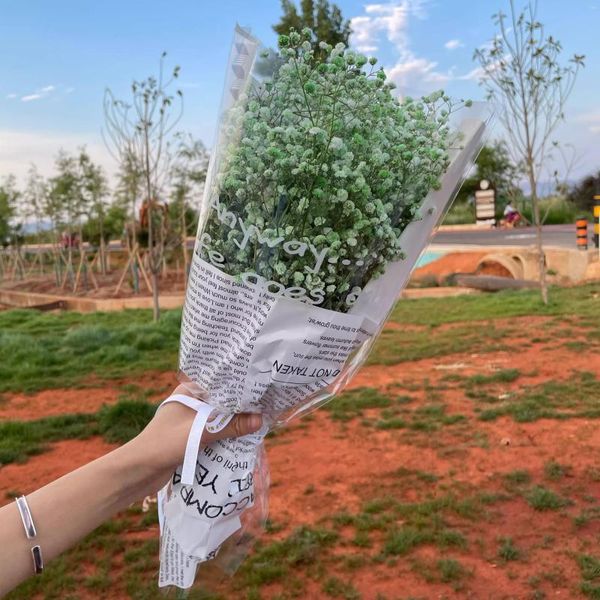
(67, 509)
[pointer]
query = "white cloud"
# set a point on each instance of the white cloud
(474, 75)
(11, 96)
(38, 94)
(364, 32)
(31, 97)
(18, 149)
(411, 73)
(453, 44)
(389, 19)
(591, 119)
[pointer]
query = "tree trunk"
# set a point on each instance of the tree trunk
(155, 302)
(184, 247)
(102, 250)
(539, 240)
(154, 253)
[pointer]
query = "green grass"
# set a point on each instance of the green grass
(564, 302)
(507, 550)
(402, 540)
(117, 423)
(397, 345)
(22, 439)
(336, 588)
(587, 515)
(408, 525)
(575, 397)
(277, 560)
(501, 376)
(450, 570)
(426, 418)
(43, 350)
(120, 422)
(352, 403)
(555, 471)
(590, 572)
(517, 477)
(542, 499)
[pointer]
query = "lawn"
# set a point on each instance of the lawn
(461, 463)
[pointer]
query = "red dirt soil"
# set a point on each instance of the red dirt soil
(171, 283)
(449, 264)
(320, 467)
(48, 403)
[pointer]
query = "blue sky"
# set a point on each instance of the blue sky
(58, 57)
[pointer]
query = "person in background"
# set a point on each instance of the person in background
(36, 529)
(512, 216)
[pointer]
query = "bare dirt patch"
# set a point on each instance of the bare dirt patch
(83, 400)
(321, 468)
(449, 264)
(171, 282)
(61, 458)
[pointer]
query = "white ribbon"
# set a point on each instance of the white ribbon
(203, 412)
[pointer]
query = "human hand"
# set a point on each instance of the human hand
(161, 445)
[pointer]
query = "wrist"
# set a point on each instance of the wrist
(135, 473)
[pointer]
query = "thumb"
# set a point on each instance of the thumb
(240, 425)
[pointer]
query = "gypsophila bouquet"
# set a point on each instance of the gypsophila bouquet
(322, 191)
(327, 172)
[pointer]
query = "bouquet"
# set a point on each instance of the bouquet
(323, 190)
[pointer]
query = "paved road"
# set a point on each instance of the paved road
(553, 235)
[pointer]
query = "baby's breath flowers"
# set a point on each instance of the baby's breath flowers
(327, 173)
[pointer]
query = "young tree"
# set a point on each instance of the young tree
(324, 20)
(128, 192)
(523, 75)
(140, 133)
(188, 175)
(66, 204)
(35, 197)
(94, 188)
(11, 225)
(9, 197)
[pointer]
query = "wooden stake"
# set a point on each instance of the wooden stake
(93, 278)
(131, 257)
(76, 284)
(143, 270)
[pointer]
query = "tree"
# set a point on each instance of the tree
(66, 205)
(495, 164)
(129, 190)
(188, 175)
(35, 197)
(324, 20)
(8, 208)
(524, 78)
(139, 134)
(94, 189)
(582, 194)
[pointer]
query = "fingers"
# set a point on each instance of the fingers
(239, 426)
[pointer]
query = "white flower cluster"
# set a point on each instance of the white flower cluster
(327, 157)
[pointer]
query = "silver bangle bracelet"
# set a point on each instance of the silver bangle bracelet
(31, 533)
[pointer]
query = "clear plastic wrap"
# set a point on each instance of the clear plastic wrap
(322, 192)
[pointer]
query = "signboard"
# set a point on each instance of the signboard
(485, 204)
